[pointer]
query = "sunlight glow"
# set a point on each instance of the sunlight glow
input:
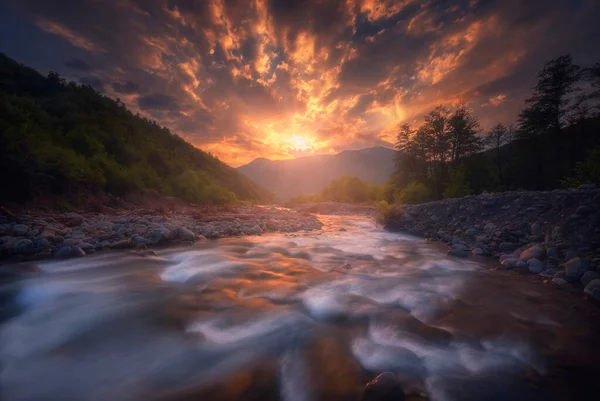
(301, 143)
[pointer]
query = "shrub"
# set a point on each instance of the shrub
(414, 192)
(458, 185)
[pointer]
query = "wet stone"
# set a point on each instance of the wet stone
(385, 387)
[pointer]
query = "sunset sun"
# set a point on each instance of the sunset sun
(300, 143)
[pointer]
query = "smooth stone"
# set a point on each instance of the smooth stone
(123, 244)
(589, 276)
(536, 266)
(534, 252)
(592, 289)
(20, 230)
(570, 254)
(384, 387)
(559, 281)
(575, 268)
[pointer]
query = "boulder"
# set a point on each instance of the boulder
(384, 387)
(510, 263)
(592, 289)
(587, 186)
(536, 266)
(589, 276)
(574, 269)
(536, 252)
(20, 230)
(255, 230)
(158, 234)
(459, 250)
(184, 234)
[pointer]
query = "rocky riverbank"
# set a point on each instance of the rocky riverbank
(554, 234)
(37, 234)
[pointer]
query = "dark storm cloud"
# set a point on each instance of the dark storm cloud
(126, 87)
(79, 65)
(158, 101)
(242, 77)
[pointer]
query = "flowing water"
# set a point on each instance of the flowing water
(296, 317)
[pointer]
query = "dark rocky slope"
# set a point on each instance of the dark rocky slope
(553, 233)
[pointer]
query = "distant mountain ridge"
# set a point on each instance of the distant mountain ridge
(310, 174)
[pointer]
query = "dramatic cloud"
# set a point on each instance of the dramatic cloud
(281, 78)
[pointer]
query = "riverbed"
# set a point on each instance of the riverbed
(295, 317)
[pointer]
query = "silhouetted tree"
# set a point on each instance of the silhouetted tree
(496, 139)
(463, 129)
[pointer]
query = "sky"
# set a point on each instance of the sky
(280, 79)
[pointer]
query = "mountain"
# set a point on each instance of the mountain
(310, 174)
(57, 137)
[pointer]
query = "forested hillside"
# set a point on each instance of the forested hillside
(554, 143)
(59, 137)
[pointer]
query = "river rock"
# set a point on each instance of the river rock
(158, 234)
(384, 387)
(587, 186)
(74, 219)
(559, 281)
(255, 230)
(536, 229)
(86, 246)
(480, 252)
(489, 228)
(536, 266)
(69, 252)
(592, 289)
(575, 268)
(20, 230)
(510, 263)
(184, 234)
(589, 276)
(570, 254)
(552, 253)
(459, 250)
(122, 244)
(536, 252)
(471, 232)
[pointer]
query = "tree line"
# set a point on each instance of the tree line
(58, 137)
(555, 142)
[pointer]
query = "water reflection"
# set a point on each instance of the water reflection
(310, 316)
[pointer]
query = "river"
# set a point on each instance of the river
(294, 317)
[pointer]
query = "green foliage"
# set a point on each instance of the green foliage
(587, 171)
(387, 211)
(349, 189)
(556, 129)
(458, 185)
(58, 137)
(413, 193)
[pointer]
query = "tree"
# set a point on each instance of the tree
(495, 139)
(550, 103)
(463, 129)
(592, 76)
